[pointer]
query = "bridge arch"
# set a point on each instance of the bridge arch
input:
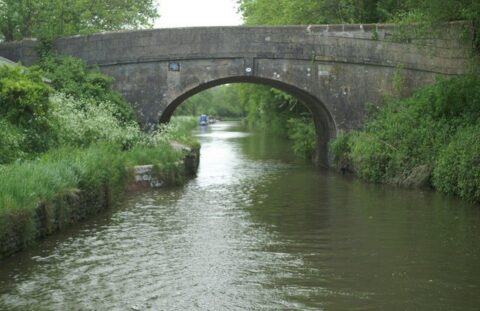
(333, 69)
(325, 126)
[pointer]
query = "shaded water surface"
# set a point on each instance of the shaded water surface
(257, 230)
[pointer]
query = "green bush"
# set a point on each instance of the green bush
(82, 122)
(71, 76)
(370, 157)
(339, 149)
(23, 96)
(11, 142)
(458, 167)
(24, 102)
(302, 133)
(411, 133)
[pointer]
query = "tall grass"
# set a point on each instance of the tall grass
(24, 184)
(69, 171)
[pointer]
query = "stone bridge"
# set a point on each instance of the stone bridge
(333, 69)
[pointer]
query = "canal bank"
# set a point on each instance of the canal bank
(94, 188)
(430, 139)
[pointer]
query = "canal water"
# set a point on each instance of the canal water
(258, 230)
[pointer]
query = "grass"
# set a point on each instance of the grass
(94, 172)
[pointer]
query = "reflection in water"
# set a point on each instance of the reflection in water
(258, 231)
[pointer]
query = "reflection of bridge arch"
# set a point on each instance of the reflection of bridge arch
(324, 123)
(334, 69)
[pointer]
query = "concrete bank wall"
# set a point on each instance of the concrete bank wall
(79, 204)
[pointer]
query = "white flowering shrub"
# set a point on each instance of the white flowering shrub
(177, 130)
(79, 122)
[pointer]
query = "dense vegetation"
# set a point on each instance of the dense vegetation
(302, 12)
(66, 136)
(429, 139)
(49, 19)
(76, 109)
(38, 117)
(73, 138)
(272, 110)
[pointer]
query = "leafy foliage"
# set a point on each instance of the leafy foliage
(458, 167)
(71, 76)
(23, 96)
(54, 18)
(289, 12)
(280, 113)
(11, 142)
(35, 119)
(24, 103)
(82, 122)
(340, 147)
(429, 129)
(301, 131)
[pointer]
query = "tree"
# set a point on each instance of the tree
(54, 18)
(301, 12)
(222, 101)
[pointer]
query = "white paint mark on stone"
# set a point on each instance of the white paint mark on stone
(268, 39)
(248, 69)
(324, 70)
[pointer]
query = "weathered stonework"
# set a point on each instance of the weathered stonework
(334, 69)
(149, 176)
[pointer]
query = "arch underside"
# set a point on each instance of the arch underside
(324, 122)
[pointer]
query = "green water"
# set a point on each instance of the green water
(258, 230)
